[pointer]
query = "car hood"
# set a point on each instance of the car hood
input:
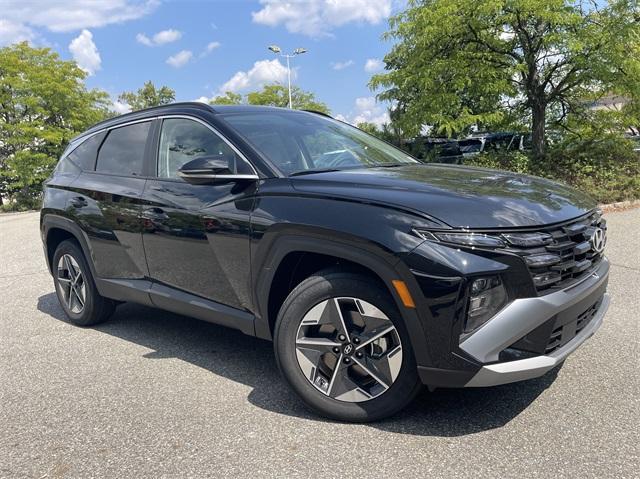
(461, 197)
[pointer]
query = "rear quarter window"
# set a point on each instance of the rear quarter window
(122, 152)
(84, 156)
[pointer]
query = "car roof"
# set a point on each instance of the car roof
(180, 108)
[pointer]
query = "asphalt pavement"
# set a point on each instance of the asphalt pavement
(154, 394)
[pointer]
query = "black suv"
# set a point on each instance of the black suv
(371, 272)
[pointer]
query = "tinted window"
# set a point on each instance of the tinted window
(122, 153)
(183, 140)
(297, 142)
(84, 156)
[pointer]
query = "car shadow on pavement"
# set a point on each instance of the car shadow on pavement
(250, 361)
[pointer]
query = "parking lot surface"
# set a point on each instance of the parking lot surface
(153, 394)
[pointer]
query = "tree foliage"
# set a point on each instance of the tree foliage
(148, 96)
(43, 104)
(274, 95)
(534, 63)
(229, 98)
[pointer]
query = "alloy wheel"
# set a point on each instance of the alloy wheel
(71, 284)
(348, 349)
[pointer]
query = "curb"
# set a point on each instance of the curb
(620, 206)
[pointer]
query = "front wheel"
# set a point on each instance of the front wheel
(342, 346)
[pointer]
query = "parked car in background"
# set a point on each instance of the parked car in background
(434, 150)
(635, 139)
(501, 141)
(372, 272)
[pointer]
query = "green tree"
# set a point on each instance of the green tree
(370, 128)
(148, 96)
(43, 104)
(458, 63)
(273, 95)
(229, 98)
(278, 95)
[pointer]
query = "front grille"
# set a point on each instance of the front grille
(566, 332)
(569, 253)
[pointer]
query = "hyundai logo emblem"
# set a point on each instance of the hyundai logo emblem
(348, 349)
(599, 240)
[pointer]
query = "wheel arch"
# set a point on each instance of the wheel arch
(55, 230)
(291, 250)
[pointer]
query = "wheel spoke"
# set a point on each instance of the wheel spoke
(369, 371)
(70, 298)
(336, 371)
(343, 388)
(348, 349)
(384, 369)
(79, 297)
(70, 269)
(375, 334)
(71, 284)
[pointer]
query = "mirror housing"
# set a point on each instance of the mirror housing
(210, 169)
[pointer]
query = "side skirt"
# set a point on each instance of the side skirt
(170, 299)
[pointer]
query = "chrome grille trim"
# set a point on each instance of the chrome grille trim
(572, 243)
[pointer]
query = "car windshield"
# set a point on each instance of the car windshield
(300, 142)
(470, 146)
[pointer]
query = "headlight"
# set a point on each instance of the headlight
(464, 239)
(487, 296)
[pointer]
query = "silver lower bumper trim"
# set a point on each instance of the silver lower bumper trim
(503, 373)
(523, 315)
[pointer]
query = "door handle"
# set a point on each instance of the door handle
(78, 202)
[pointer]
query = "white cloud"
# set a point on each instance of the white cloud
(211, 46)
(20, 16)
(202, 99)
(85, 52)
(160, 38)
(11, 32)
(318, 17)
(367, 110)
(120, 107)
(341, 65)
(263, 72)
(145, 40)
(373, 65)
(180, 59)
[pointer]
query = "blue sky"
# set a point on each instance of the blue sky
(201, 48)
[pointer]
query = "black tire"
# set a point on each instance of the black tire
(323, 286)
(96, 308)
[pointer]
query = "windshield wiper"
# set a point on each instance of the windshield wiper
(393, 165)
(311, 171)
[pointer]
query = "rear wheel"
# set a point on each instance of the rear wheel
(76, 289)
(342, 346)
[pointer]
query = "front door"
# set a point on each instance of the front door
(196, 237)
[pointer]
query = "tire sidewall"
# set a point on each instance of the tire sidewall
(309, 293)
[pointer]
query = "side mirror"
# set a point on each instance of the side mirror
(210, 169)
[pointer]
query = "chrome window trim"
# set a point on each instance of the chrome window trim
(162, 117)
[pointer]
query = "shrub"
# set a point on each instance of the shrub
(607, 169)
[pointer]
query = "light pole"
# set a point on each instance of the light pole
(298, 51)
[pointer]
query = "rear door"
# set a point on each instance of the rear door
(106, 201)
(196, 237)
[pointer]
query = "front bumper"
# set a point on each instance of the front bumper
(524, 315)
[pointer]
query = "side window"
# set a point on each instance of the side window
(183, 140)
(84, 156)
(122, 153)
